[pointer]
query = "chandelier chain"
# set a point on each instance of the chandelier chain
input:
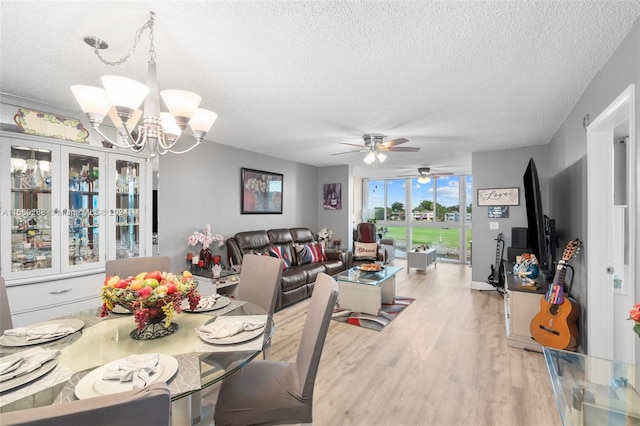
(152, 52)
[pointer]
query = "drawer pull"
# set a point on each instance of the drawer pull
(66, 290)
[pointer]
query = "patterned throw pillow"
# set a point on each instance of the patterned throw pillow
(279, 253)
(365, 251)
(310, 253)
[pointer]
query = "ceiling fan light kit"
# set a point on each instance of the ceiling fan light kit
(122, 97)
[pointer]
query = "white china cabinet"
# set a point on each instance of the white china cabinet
(66, 208)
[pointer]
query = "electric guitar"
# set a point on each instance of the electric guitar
(494, 277)
(555, 325)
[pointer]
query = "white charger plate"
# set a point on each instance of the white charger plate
(74, 323)
(241, 337)
(220, 303)
(92, 385)
(28, 377)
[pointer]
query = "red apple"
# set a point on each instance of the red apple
(171, 288)
(122, 284)
(145, 292)
(157, 275)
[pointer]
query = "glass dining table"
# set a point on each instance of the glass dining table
(104, 340)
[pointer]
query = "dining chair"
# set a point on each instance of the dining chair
(132, 266)
(270, 392)
(148, 406)
(5, 312)
(259, 280)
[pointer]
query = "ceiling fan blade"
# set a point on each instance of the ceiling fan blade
(350, 152)
(394, 142)
(400, 149)
(442, 174)
(352, 144)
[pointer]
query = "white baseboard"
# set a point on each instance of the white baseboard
(479, 285)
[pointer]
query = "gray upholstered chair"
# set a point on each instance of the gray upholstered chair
(148, 406)
(272, 392)
(132, 266)
(5, 312)
(259, 281)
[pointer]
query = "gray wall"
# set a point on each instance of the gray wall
(502, 169)
(568, 159)
(203, 186)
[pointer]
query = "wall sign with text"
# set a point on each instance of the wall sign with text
(499, 197)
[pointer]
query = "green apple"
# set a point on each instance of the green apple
(151, 282)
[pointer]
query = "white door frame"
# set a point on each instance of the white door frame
(602, 315)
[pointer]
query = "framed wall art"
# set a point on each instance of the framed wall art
(498, 197)
(498, 212)
(261, 192)
(332, 199)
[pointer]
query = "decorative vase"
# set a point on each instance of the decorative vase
(205, 256)
(155, 327)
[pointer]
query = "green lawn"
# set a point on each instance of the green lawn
(429, 236)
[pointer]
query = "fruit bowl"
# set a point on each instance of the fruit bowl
(154, 298)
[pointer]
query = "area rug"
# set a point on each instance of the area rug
(373, 322)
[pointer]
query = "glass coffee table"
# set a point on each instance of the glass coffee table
(362, 291)
(593, 391)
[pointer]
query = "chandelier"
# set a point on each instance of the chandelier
(121, 99)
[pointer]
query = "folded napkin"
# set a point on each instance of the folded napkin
(134, 368)
(48, 331)
(222, 329)
(207, 302)
(27, 362)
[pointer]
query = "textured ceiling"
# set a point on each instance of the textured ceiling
(292, 79)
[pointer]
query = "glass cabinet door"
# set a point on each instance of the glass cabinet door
(127, 207)
(33, 209)
(84, 213)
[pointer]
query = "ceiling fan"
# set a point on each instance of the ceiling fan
(424, 175)
(376, 148)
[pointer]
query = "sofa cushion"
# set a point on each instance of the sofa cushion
(367, 251)
(312, 270)
(293, 278)
(333, 266)
(253, 242)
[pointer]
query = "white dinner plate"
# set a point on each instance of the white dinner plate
(220, 303)
(28, 377)
(241, 337)
(121, 310)
(92, 385)
(75, 324)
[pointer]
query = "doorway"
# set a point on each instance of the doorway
(611, 153)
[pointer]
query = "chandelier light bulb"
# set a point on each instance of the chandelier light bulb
(381, 157)
(181, 104)
(93, 101)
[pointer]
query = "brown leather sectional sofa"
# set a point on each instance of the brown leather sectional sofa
(297, 280)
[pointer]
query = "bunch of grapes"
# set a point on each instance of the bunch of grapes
(194, 299)
(141, 316)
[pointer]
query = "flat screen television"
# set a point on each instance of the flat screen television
(536, 221)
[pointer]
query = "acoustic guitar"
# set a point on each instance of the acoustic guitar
(494, 277)
(555, 325)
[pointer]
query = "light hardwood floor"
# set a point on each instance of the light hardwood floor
(443, 361)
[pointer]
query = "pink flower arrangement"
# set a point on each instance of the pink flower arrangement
(634, 314)
(206, 239)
